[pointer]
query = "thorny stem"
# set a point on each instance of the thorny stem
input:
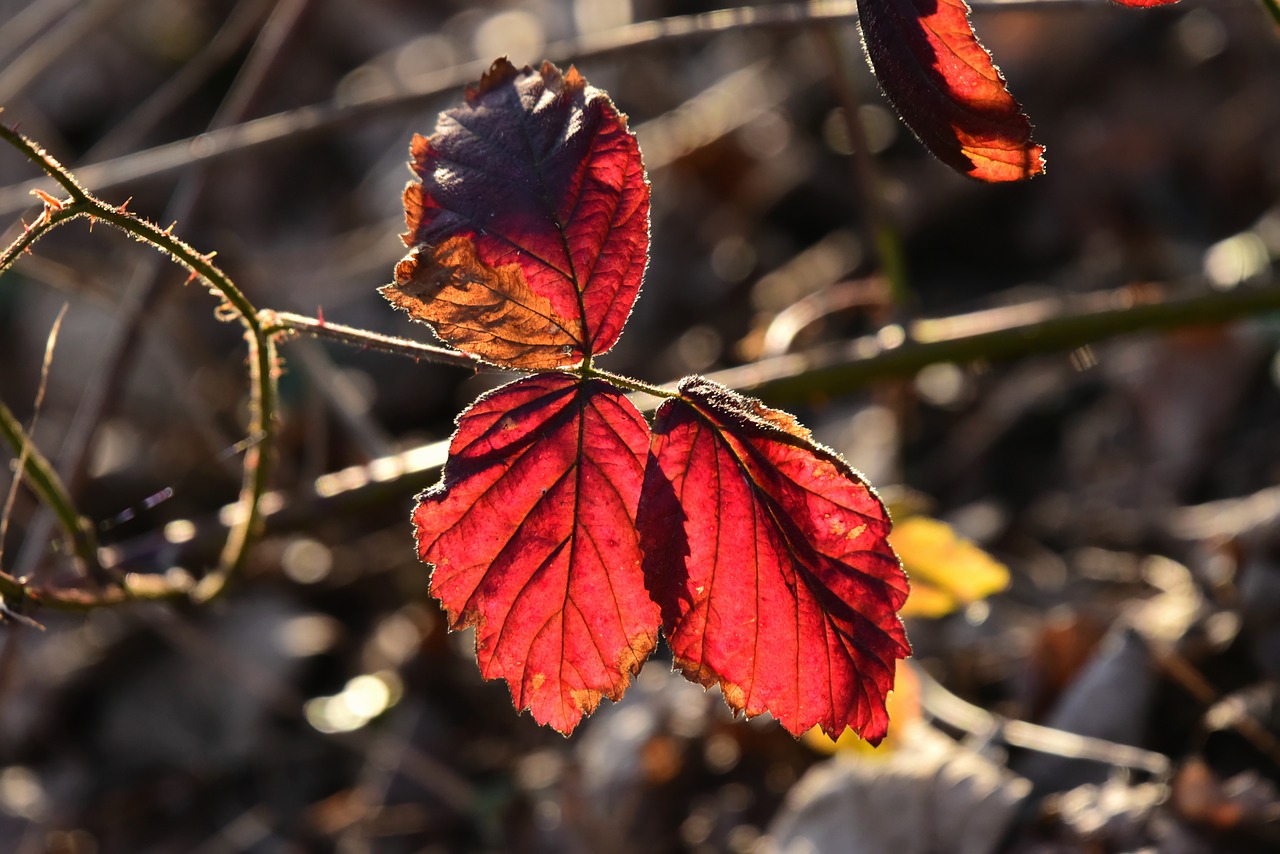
(48, 222)
(263, 401)
(280, 323)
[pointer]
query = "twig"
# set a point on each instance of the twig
(263, 402)
(869, 188)
(238, 27)
(20, 71)
(841, 368)
(1182, 671)
(276, 323)
(46, 484)
(132, 588)
(142, 292)
(27, 24)
(28, 445)
(944, 706)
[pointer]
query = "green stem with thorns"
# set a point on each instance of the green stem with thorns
(263, 394)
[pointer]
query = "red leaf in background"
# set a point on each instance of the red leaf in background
(768, 557)
(942, 82)
(1145, 4)
(532, 535)
(533, 212)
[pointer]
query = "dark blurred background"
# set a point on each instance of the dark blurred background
(1130, 487)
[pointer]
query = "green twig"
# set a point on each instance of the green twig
(843, 368)
(263, 402)
(276, 323)
(51, 219)
(48, 487)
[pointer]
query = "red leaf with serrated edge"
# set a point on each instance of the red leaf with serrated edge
(768, 557)
(943, 83)
(532, 535)
(530, 229)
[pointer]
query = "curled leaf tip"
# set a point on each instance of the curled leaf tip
(946, 88)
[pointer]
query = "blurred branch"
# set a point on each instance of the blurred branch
(1273, 7)
(241, 23)
(997, 335)
(72, 29)
(48, 487)
(869, 188)
(420, 91)
(944, 706)
(27, 24)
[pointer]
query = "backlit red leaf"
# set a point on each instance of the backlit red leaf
(943, 83)
(530, 228)
(768, 557)
(1146, 4)
(532, 536)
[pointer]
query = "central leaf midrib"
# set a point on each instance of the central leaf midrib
(572, 276)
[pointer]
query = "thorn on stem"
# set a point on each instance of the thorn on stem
(49, 201)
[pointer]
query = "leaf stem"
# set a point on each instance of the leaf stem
(278, 323)
(628, 383)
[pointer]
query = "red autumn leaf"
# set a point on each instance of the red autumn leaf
(1144, 4)
(768, 557)
(943, 83)
(532, 536)
(530, 229)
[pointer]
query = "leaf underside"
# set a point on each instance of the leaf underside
(768, 557)
(534, 192)
(941, 80)
(489, 313)
(531, 533)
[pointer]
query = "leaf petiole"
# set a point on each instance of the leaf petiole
(628, 383)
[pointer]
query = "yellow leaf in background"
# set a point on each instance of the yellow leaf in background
(947, 571)
(903, 706)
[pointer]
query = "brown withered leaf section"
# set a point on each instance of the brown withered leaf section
(490, 312)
